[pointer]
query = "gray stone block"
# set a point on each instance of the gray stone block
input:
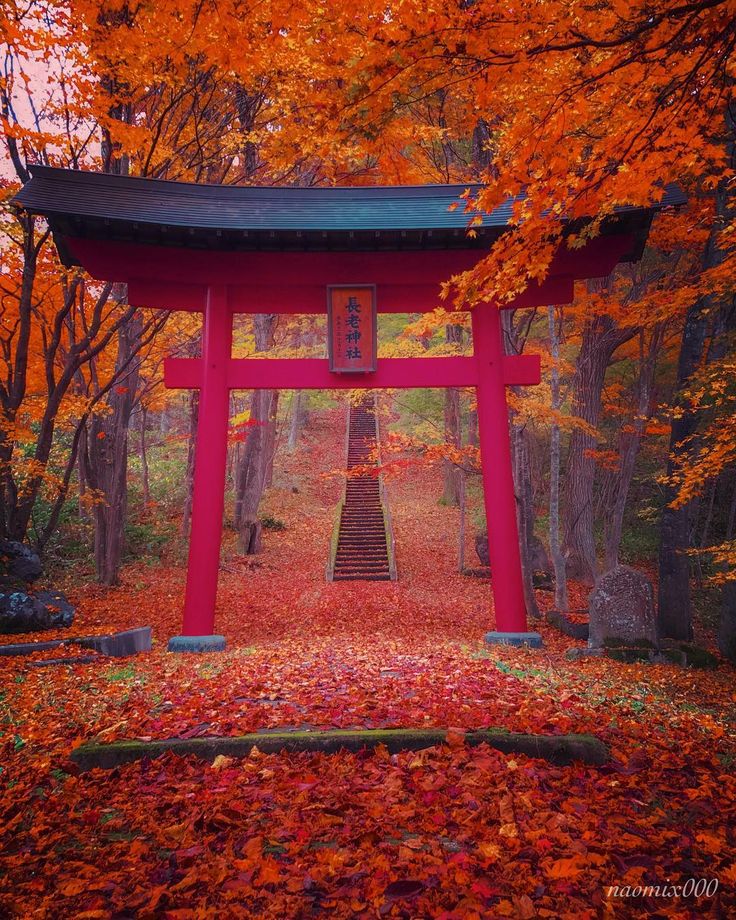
(532, 639)
(21, 612)
(197, 644)
(75, 659)
(622, 610)
(129, 642)
(61, 612)
(28, 648)
(20, 561)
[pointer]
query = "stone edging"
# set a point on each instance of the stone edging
(116, 645)
(559, 749)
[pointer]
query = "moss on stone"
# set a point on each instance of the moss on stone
(699, 657)
(612, 642)
(561, 749)
(629, 655)
(675, 655)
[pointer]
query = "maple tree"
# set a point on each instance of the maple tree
(586, 109)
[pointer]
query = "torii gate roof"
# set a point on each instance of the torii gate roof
(81, 204)
(277, 248)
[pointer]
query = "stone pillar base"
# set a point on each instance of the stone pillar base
(532, 639)
(197, 644)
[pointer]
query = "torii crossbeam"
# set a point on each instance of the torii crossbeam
(223, 250)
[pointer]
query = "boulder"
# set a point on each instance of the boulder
(20, 613)
(621, 607)
(61, 612)
(19, 561)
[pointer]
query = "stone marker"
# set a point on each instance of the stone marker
(621, 609)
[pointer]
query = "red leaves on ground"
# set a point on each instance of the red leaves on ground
(451, 833)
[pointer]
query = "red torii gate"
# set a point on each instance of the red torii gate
(221, 250)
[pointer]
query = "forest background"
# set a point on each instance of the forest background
(625, 453)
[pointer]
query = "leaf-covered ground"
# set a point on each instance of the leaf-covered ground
(450, 833)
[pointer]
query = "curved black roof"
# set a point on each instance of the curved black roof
(80, 203)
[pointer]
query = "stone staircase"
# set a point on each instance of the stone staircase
(362, 543)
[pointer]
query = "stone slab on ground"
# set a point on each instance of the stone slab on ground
(197, 644)
(28, 648)
(532, 639)
(558, 749)
(115, 645)
(119, 645)
(71, 659)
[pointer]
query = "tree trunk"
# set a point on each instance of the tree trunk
(731, 523)
(84, 514)
(106, 459)
(144, 458)
(601, 337)
(247, 106)
(257, 455)
(450, 472)
(296, 420)
(558, 560)
(271, 438)
(524, 511)
(186, 516)
(461, 547)
(520, 459)
(727, 626)
(674, 608)
(473, 427)
(675, 616)
(629, 444)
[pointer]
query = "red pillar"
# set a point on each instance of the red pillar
(210, 461)
(498, 483)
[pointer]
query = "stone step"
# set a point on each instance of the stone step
(376, 556)
(361, 546)
(349, 568)
(386, 577)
